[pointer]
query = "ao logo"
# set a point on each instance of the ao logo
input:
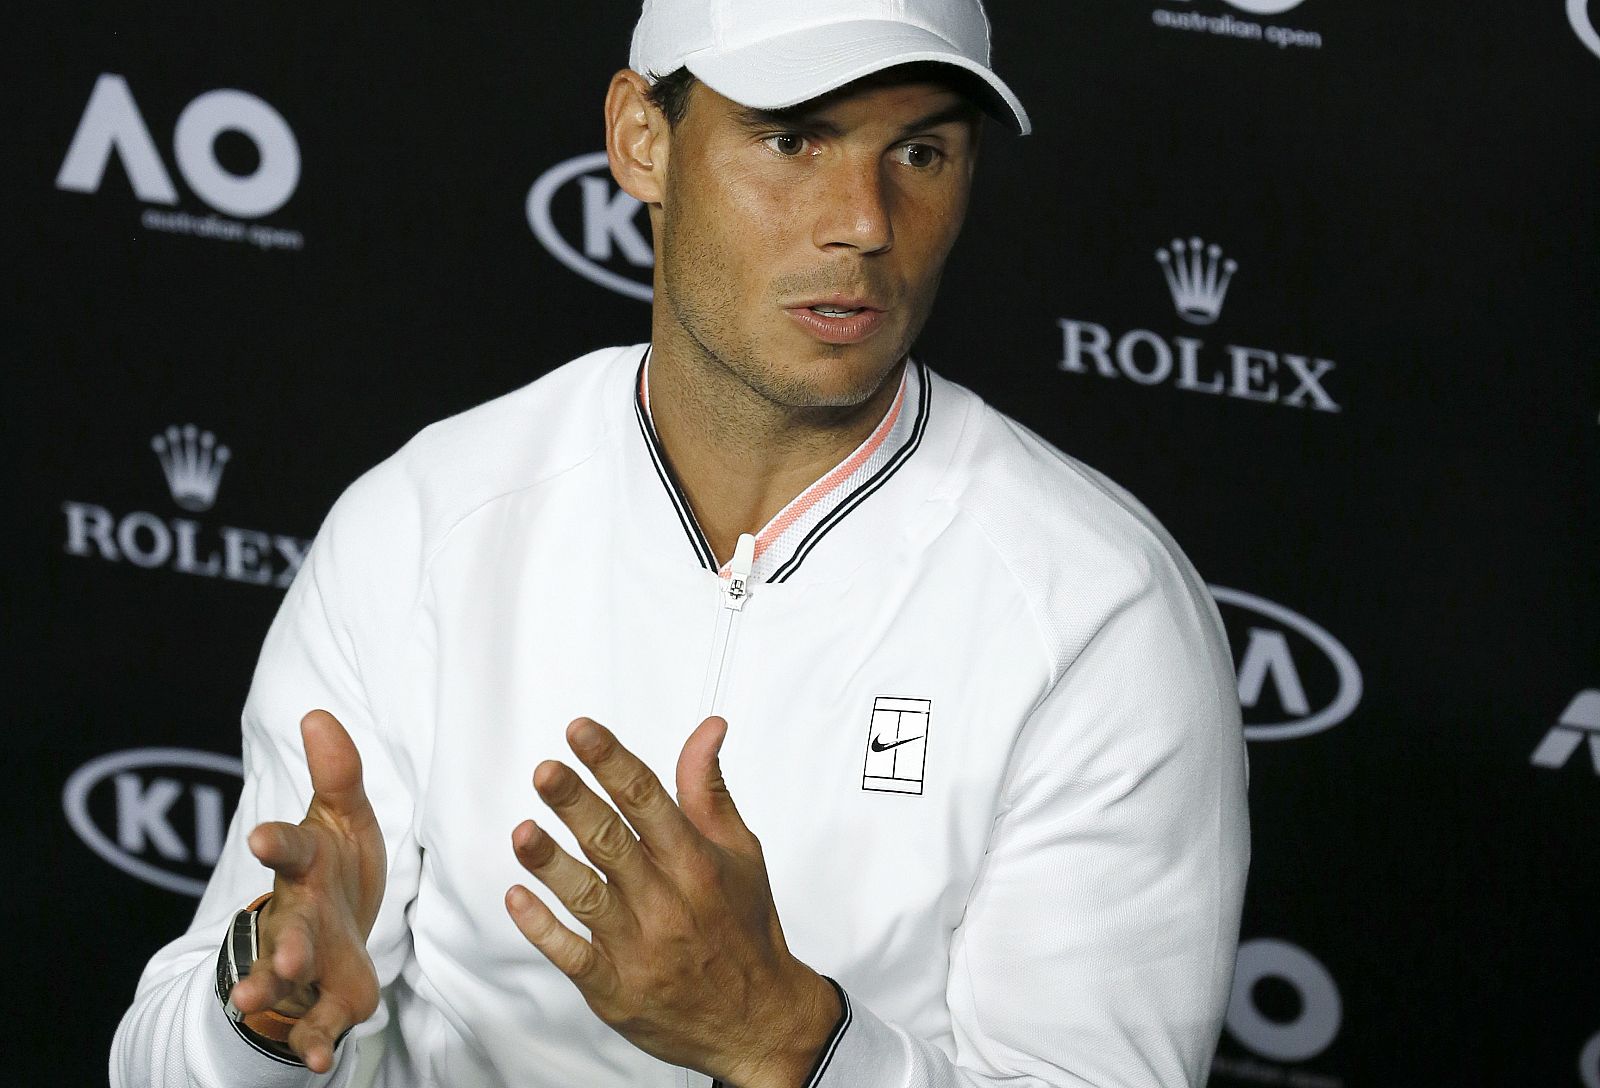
(164, 815)
(1265, 7)
(1589, 1063)
(1305, 1033)
(1578, 12)
(1268, 655)
(112, 122)
(609, 223)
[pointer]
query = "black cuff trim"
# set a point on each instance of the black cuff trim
(832, 1045)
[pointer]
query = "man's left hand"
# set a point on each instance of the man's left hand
(685, 957)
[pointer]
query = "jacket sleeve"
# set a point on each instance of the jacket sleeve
(319, 653)
(1097, 946)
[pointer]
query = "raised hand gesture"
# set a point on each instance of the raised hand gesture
(329, 881)
(685, 957)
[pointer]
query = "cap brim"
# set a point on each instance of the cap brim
(793, 68)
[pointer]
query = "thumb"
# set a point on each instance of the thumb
(702, 793)
(334, 763)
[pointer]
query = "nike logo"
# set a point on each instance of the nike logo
(878, 745)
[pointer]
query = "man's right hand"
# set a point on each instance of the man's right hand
(330, 870)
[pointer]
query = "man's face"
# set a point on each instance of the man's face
(802, 250)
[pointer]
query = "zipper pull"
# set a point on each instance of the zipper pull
(735, 593)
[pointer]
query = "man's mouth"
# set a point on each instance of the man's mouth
(838, 320)
(841, 305)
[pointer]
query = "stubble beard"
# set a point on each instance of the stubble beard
(709, 317)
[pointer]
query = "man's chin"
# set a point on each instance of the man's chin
(829, 379)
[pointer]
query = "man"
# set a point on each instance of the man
(970, 695)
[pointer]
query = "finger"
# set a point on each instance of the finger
(261, 989)
(571, 954)
(702, 793)
(335, 764)
(286, 849)
(292, 947)
(602, 835)
(589, 898)
(314, 1036)
(634, 787)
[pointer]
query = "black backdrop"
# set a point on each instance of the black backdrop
(1380, 445)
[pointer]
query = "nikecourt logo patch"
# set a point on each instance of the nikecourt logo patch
(897, 745)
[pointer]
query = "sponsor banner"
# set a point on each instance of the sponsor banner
(1198, 276)
(192, 462)
(158, 814)
(112, 124)
(1286, 1009)
(602, 234)
(1212, 19)
(1583, 22)
(1295, 679)
(1579, 723)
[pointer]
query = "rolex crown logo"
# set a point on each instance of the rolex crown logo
(193, 464)
(1197, 277)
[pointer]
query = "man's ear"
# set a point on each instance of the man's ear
(637, 138)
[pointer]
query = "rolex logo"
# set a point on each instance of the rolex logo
(193, 463)
(1198, 278)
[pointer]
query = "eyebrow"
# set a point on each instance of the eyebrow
(958, 111)
(789, 117)
(797, 117)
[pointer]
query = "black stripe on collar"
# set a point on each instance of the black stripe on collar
(867, 486)
(680, 501)
(862, 492)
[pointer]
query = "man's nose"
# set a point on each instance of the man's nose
(855, 209)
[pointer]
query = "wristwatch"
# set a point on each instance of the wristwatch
(266, 1031)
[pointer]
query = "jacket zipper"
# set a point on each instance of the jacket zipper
(731, 597)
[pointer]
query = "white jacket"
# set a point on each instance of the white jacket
(982, 716)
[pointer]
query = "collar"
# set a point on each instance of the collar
(785, 542)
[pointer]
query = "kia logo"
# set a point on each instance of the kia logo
(1578, 12)
(1295, 679)
(605, 218)
(159, 814)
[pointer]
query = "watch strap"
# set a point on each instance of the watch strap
(265, 1031)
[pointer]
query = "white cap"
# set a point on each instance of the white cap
(771, 54)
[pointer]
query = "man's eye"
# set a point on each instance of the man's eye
(787, 144)
(920, 156)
